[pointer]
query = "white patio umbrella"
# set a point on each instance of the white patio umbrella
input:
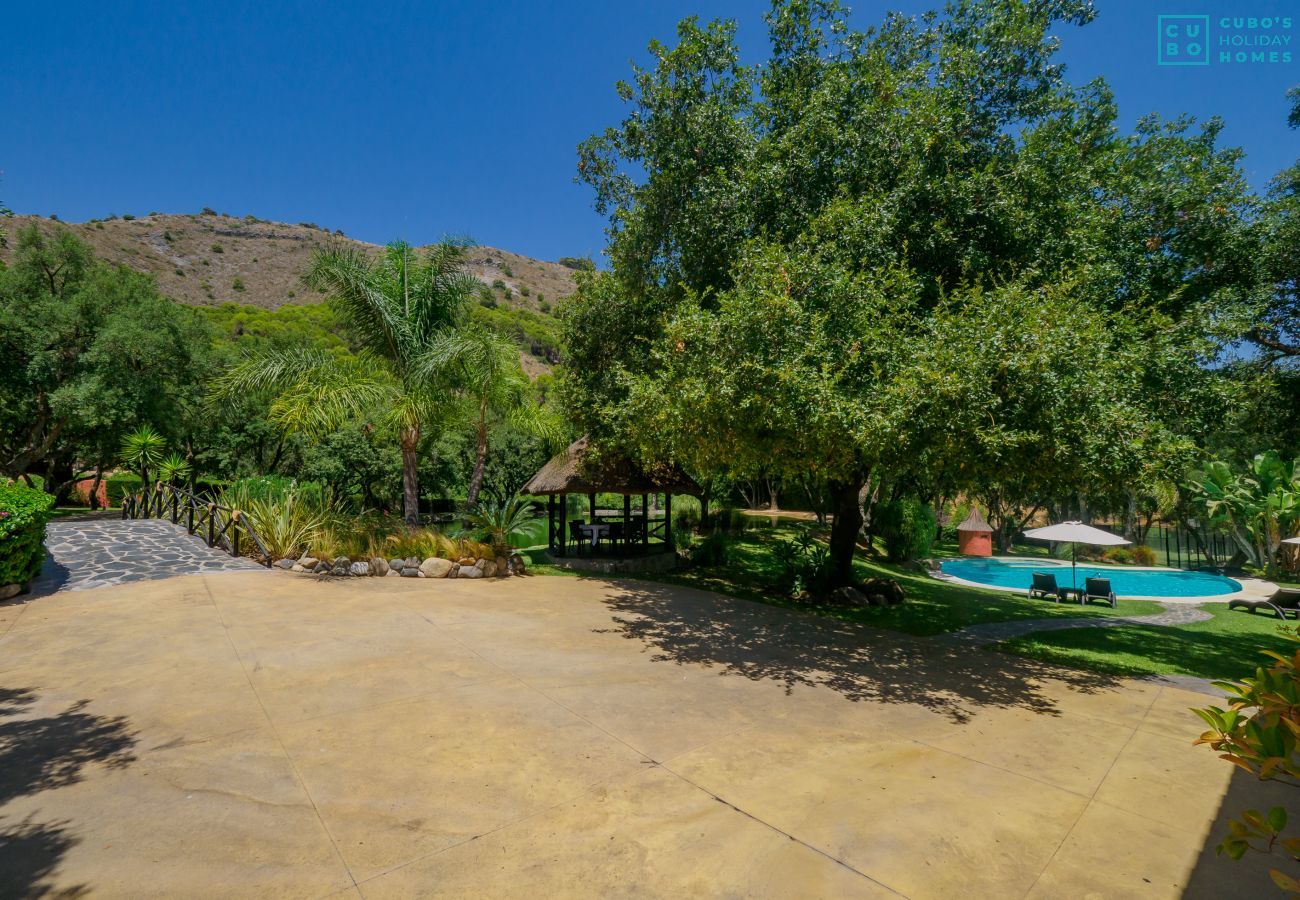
(1075, 533)
(1294, 540)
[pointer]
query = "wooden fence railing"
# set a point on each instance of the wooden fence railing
(220, 526)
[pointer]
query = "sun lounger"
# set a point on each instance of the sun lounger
(1099, 589)
(1283, 601)
(1044, 586)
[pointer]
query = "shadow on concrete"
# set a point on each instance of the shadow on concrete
(53, 576)
(1221, 878)
(770, 643)
(40, 753)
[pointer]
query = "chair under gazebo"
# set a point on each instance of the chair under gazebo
(638, 530)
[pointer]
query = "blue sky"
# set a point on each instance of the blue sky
(415, 120)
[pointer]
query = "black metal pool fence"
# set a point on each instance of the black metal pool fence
(1182, 548)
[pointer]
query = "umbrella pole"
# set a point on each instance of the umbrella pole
(1074, 551)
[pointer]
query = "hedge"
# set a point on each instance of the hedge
(119, 485)
(23, 514)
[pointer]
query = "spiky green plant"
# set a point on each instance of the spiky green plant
(397, 306)
(173, 468)
(289, 524)
(142, 449)
(500, 521)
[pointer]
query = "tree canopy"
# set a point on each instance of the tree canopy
(915, 251)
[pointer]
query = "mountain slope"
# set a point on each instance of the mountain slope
(208, 259)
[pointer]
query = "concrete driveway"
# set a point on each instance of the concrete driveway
(264, 734)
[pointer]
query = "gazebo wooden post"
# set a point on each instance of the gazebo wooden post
(668, 519)
(591, 507)
(550, 522)
(627, 523)
(645, 523)
(564, 524)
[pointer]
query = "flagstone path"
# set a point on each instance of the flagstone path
(102, 552)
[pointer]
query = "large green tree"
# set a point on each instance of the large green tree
(91, 351)
(398, 308)
(789, 241)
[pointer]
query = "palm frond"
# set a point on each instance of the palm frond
(316, 391)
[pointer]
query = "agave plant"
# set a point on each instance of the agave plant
(142, 449)
(173, 469)
(501, 521)
(288, 525)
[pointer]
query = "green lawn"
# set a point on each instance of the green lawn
(932, 606)
(62, 512)
(1228, 646)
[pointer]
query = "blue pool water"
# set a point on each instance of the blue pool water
(1124, 581)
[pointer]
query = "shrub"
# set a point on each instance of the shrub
(119, 485)
(1259, 732)
(523, 290)
(578, 263)
(907, 529)
(1122, 556)
(217, 248)
(23, 514)
(128, 217)
(686, 514)
(237, 285)
(805, 563)
(714, 549)
(1144, 555)
(505, 268)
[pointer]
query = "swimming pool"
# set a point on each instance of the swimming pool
(1125, 581)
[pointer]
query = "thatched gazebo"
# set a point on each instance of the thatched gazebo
(622, 533)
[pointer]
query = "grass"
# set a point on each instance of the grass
(932, 606)
(63, 512)
(1227, 646)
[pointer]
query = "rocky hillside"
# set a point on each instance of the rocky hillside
(209, 259)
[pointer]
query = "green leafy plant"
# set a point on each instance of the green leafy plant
(805, 563)
(23, 514)
(501, 521)
(1259, 732)
(289, 521)
(907, 527)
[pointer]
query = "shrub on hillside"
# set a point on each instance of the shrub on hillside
(907, 528)
(23, 514)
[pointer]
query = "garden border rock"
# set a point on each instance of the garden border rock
(410, 567)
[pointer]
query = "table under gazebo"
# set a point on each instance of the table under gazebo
(639, 528)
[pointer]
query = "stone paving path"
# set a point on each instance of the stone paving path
(93, 553)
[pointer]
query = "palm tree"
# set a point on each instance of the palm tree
(492, 387)
(397, 307)
(142, 449)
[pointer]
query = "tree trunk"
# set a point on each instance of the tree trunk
(410, 440)
(480, 463)
(93, 497)
(845, 528)
(772, 502)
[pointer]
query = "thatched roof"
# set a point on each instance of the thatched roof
(975, 522)
(571, 472)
